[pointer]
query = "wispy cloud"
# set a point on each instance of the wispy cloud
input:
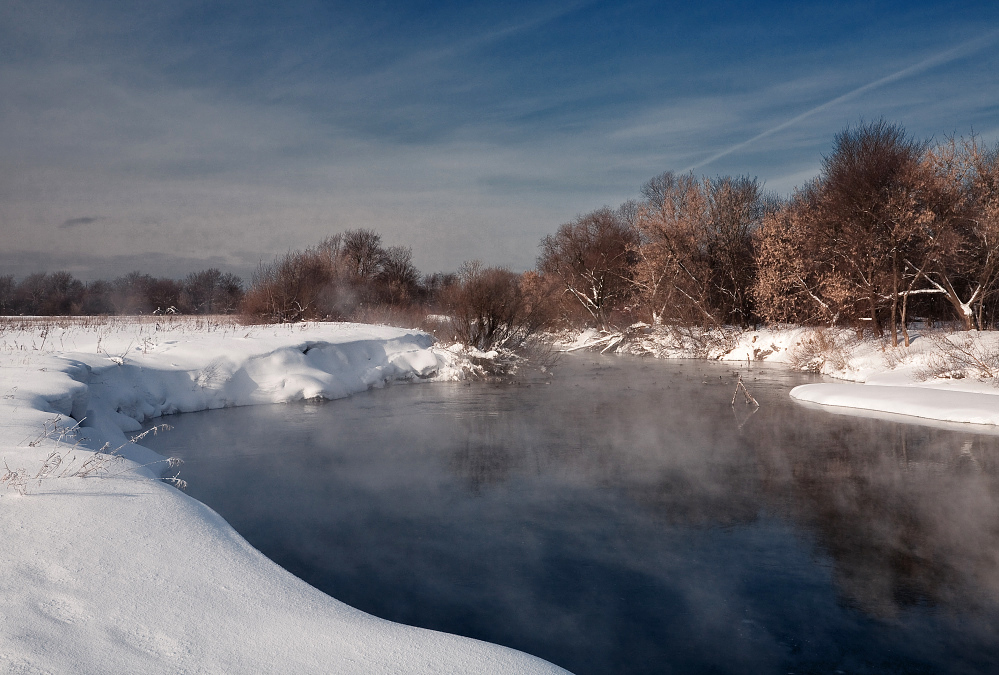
(84, 220)
(467, 131)
(485, 38)
(941, 58)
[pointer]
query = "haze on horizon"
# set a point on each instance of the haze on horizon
(170, 137)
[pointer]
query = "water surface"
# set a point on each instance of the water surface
(621, 517)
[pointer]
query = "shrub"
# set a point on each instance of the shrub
(291, 288)
(818, 348)
(346, 276)
(962, 355)
(592, 257)
(487, 308)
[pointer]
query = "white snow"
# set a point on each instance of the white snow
(888, 380)
(922, 402)
(127, 574)
(893, 380)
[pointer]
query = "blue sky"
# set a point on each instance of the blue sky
(170, 136)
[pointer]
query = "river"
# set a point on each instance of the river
(619, 515)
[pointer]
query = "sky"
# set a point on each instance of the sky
(173, 136)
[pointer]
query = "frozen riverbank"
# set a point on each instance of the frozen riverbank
(127, 573)
(940, 377)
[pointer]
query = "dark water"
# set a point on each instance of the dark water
(624, 519)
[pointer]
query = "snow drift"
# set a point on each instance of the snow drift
(128, 574)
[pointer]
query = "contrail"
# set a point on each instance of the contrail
(423, 59)
(926, 64)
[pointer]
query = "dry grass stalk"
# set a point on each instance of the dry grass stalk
(65, 462)
(961, 355)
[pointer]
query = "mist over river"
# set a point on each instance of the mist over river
(618, 515)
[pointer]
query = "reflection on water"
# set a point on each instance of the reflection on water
(909, 515)
(622, 517)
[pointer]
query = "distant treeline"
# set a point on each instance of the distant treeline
(59, 294)
(352, 276)
(891, 230)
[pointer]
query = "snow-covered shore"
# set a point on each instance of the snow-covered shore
(128, 574)
(940, 377)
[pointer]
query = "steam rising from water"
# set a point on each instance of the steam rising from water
(621, 515)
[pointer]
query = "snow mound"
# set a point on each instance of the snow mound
(921, 402)
(128, 574)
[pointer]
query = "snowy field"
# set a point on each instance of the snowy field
(941, 377)
(107, 569)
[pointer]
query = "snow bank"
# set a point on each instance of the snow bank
(922, 402)
(908, 381)
(900, 380)
(128, 574)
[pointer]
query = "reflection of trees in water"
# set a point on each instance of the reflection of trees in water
(484, 459)
(492, 448)
(497, 446)
(909, 515)
(729, 497)
(500, 440)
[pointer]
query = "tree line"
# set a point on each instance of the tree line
(60, 294)
(353, 276)
(892, 229)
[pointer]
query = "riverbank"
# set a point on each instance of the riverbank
(128, 574)
(940, 377)
(115, 570)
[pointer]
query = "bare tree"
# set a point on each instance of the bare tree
(54, 294)
(670, 273)
(212, 292)
(130, 293)
(963, 262)
(363, 253)
(290, 289)
(164, 295)
(398, 280)
(347, 275)
(7, 287)
(791, 283)
(486, 307)
(97, 298)
(695, 258)
(736, 207)
(433, 285)
(592, 257)
(870, 215)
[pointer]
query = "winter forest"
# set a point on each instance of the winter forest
(893, 230)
